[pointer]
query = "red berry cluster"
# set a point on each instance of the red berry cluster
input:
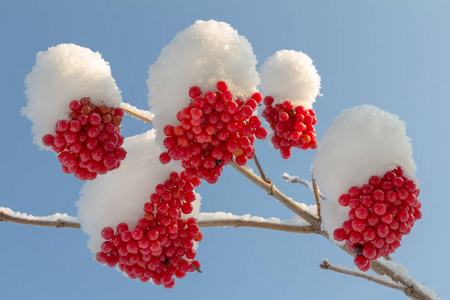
(212, 129)
(382, 212)
(89, 142)
(161, 244)
(293, 127)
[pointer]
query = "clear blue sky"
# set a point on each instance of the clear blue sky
(392, 54)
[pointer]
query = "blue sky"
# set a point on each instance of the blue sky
(392, 54)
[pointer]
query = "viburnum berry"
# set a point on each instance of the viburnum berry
(91, 138)
(161, 245)
(214, 128)
(292, 126)
(381, 213)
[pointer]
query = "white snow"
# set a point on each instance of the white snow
(290, 75)
(119, 196)
(201, 55)
(52, 218)
(362, 142)
(61, 74)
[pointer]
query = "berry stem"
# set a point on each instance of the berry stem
(325, 265)
(261, 172)
(316, 196)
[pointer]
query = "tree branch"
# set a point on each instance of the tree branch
(204, 220)
(297, 208)
(327, 266)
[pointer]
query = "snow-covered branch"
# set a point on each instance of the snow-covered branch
(56, 220)
(218, 219)
(140, 114)
(383, 280)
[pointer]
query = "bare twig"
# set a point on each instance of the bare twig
(327, 266)
(316, 196)
(261, 172)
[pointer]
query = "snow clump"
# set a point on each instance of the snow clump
(61, 74)
(290, 75)
(200, 55)
(119, 196)
(362, 142)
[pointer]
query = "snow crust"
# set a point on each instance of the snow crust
(61, 74)
(362, 142)
(200, 55)
(119, 196)
(290, 75)
(52, 218)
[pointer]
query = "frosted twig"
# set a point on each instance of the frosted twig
(304, 182)
(7, 215)
(261, 172)
(327, 266)
(316, 196)
(136, 114)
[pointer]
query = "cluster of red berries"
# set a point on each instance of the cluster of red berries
(213, 129)
(161, 244)
(89, 142)
(292, 126)
(382, 212)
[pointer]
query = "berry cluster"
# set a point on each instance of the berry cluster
(161, 245)
(89, 142)
(382, 212)
(292, 126)
(213, 128)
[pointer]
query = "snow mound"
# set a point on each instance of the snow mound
(201, 55)
(290, 75)
(362, 142)
(61, 74)
(119, 196)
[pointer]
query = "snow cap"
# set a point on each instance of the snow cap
(290, 75)
(361, 142)
(61, 74)
(200, 55)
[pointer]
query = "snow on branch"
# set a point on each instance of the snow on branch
(218, 219)
(140, 114)
(56, 220)
(383, 280)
